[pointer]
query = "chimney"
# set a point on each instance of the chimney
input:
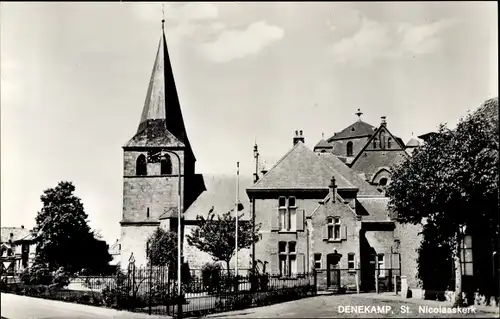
(333, 189)
(264, 169)
(22, 226)
(383, 122)
(298, 137)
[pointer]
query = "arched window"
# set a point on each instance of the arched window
(383, 181)
(349, 148)
(166, 165)
(389, 140)
(141, 166)
(374, 143)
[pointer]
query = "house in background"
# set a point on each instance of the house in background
(317, 213)
(17, 249)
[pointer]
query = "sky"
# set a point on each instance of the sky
(74, 78)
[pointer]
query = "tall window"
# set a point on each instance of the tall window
(147, 212)
(374, 143)
(350, 262)
(166, 165)
(466, 257)
(141, 166)
(333, 228)
(349, 148)
(288, 213)
(317, 261)
(389, 140)
(381, 265)
(287, 258)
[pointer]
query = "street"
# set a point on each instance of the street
(329, 306)
(326, 306)
(21, 307)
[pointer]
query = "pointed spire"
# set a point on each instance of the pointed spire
(162, 102)
(359, 113)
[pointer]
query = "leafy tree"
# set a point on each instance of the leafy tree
(216, 236)
(162, 248)
(64, 237)
(451, 182)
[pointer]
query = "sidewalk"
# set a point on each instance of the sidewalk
(21, 307)
(423, 302)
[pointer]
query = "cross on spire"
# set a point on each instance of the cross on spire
(323, 135)
(163, 16)
(359, 113)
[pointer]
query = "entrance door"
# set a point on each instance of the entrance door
(333, 271)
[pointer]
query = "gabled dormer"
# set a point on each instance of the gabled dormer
(379, 154)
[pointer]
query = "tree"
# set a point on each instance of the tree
(450, 183)
(162, 248)
(217, 236)
(64, 237)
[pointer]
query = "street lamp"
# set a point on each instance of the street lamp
(179, 229)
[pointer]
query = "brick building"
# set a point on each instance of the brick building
(316, 212)
(318, 208)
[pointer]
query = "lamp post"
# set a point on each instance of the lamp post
(179, 229)
(236, 210)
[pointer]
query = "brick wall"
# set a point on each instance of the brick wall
(197, 258)
(133, 239)
(266, 209)
(409, 243)
(340, 146)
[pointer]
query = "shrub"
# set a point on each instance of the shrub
(211, 276)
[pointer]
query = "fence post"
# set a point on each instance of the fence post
(150, 286)
(395, 280)
(357, 281)
(315, 278)
(376, 279)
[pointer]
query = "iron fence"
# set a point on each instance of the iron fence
(358, 280)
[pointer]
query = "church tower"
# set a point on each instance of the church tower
(150, 169)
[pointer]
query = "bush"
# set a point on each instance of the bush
(211, 276)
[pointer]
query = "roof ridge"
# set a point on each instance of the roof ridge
(336, 171)
(277, 163)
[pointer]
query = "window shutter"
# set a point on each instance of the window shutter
(343, 232)
(325, 232)
(300, 264)
(274, 264)
(275, 219)
(300, 219)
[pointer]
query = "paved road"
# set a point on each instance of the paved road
(337, 307)
(20, 307)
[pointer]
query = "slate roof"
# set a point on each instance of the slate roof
(373, 209)
(221, 194)
(335, 163)
(300, 168)
(323, 144)
(18, 233)
(162, 123)
(357, 129)
(413, 142)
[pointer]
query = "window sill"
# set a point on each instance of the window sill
(287, 231)
(333, 240)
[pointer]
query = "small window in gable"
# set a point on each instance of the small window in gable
(389, 140)
(349, 148)
(333, 225)
(141, 166)
(374, 143)
(383, 181)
